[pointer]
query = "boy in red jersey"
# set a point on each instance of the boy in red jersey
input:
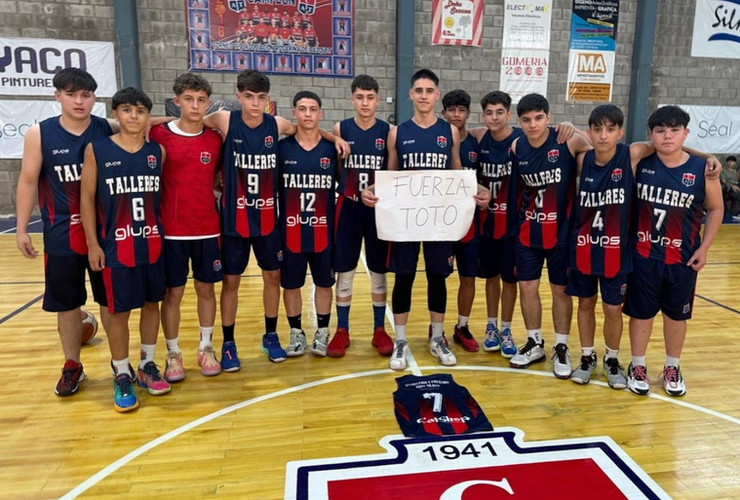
(190, 220)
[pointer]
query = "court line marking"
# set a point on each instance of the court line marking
(16, 227)
(718, 304)
(20, 309)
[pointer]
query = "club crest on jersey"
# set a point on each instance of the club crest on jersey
(307, 6)
(280, 255)
(151, 161)
(472, 156)
(379, 144)
(688, 179)
(553, 156)
(237, 5)
(686, 308)
(616, 174)
(325, 162)
(441, 141)
(269, 141)
(216, 265)
(623, 289)
(205, 157)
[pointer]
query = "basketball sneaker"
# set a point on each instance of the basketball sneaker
(297, 344)
(209, 365)
(444, 336)
(492, 343)
(528, 354)
(230, 358)
(582, 374)
(561, 362)
(614, 373)
(71, 379)
(463, 337)
(339, 343)
(398, 358)
(173, 368)
(637, 380)
(673, 383)
(508, 347)
(382, 341)
(150, 379)
(271, 346)
(124, 396)
(320, 343)
(439, 350)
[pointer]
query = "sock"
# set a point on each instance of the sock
(173, 345)
(400, 332)
(437, 330)
(270, 324)
(587, 351)
(206, 336)
(671, 361)
(343, 315)
(536, 335)
(493, 321)
(462, 321)
(610, 353)
(638, 360)
(561, 338)
(147, 354)
(295, 322)
(228, 333)
(323, 320)
(379, 314)
(121, 366)
(505, 325)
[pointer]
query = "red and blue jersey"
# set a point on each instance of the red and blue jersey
(129, 227)
(307, 187)
(549, 177)
(496, 172)
(469, 155)
(424, 148)
(249, 200)
(59, 183)
(369, 154)
(668, 209)
(602, 216)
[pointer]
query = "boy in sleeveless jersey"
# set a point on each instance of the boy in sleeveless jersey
(121, 180)
(249, 207)
(53, 152)
(308, 167)
(190, 220)
(668, 250)
(367, 136)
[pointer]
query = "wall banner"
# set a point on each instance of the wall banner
(714, 129)
(457, 22)
(716, 29)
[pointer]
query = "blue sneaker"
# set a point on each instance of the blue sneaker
(508, 347)
(492, 342)
(271, 347)
(229, 357)
(124, 397)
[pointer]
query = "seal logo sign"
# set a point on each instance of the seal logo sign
(482, 466)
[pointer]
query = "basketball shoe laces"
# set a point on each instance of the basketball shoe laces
(670, 374)
(526, 348)
(150, 369)
(124, 384)
(586, 362)
(398, 352)
(68, 372)
(614, 366)
(506, 339)
(560, 351)
(640, 373)
(465, 331)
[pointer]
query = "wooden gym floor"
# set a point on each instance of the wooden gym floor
(233, 434)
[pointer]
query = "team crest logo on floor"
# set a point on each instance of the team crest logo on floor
(325, 162)
(151, 161)
(553, 156)
(379, 144)
(441, 141)
(616, 174)
(269, 141)
(205, 157)
(483, 466)
(688, 179)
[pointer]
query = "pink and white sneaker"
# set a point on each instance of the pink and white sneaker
(209, 365)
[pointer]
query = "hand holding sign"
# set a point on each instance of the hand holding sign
(424, 205)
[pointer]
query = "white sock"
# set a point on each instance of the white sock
(671, 361)
(587, 351)
(206, 336)
(121, 366)
(561, 338)
(505, 325)
(638, 360)
(462, 321)
(147, 354)
(437, 330)
(611, 353)
(400, 332)
(173, 345)
(536, 335)
(494, 322)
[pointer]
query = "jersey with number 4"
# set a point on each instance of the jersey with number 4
(369, 154)
(436, 405)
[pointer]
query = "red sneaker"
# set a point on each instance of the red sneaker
(72, 377)
(339, 343)
(382, 341)
(463, 337)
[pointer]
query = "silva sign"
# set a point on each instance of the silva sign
(716, 29)
(490, 466)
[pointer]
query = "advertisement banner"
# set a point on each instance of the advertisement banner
(28, 65)
(714, 129)
(16, 117)
(593, 44)
(525, 52)
(293, 37)
(457, 22)
(716, 29)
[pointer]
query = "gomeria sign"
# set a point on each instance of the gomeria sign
(716, 29)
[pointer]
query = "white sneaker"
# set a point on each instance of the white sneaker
(673, 383)
(398, 358)
(297, 344)
(439, 350)
(320, 342)
(637, 380)
(561, 362)
(529, 353)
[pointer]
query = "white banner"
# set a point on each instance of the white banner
(525, 53)
(590, 75)
(16, 117)
(716, 29)
(424, 205)
(28, 65)
(714, 129)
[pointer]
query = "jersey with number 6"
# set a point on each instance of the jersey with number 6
(369, 154)
(129, 228)
(602, 216)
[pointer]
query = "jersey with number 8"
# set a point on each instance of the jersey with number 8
(369, 153)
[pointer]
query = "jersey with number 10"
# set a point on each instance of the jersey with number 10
(495, 172)
(369, 154)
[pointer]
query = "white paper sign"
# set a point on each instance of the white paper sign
(424, 205)
(28, 65)
(714, 129)
(16, 117)
(716, 29)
